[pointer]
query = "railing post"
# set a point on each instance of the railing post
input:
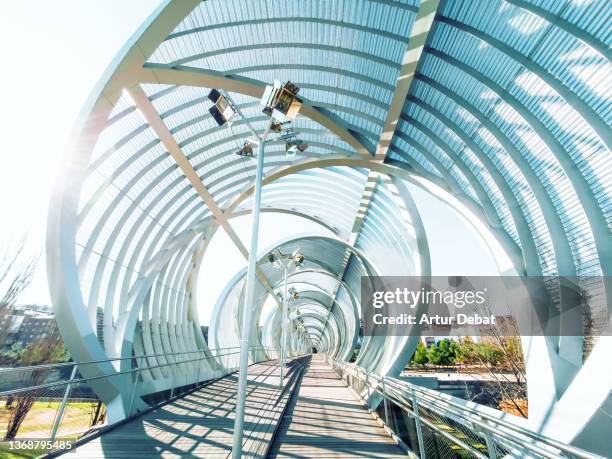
(283, 333)
(385, 402)
(198, 374)
(419, 427)
(60, 410)
(172, 386)
(490, 444)
(133, 394)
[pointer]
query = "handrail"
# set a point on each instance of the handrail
(181, 379)
(397, 390)
(106, 376)
(47, 366)
(472, 412)
(415, 388)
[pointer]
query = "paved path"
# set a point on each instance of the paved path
(199, 424)
(327, 420)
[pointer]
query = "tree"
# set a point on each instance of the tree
(443, 352)
(466, 351)
(16, 272)
(48, 350)
(420, 355)
(12, 355)
(490, 355)
(501, 353)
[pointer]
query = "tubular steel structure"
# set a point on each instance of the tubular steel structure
(498, 108)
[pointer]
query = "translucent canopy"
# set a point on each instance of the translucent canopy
(502, 108)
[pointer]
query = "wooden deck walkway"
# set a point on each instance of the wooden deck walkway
(201, 423)
(327, 420)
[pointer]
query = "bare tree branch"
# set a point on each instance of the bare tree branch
(16, 273)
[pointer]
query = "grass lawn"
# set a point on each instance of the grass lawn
(38, 422)
(5, 453)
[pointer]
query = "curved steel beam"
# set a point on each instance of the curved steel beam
(584, 193)
(572, 29)
(332, 49)
(160, 73)
(415, 45)
(63, 275)
(553, 221)
(284, 20)
(386, 168)
(591, 117)
(528, 245)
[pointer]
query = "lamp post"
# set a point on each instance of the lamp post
(247, 315)
(283, 327)
(281, 104)
(280, 260)
(293, 295)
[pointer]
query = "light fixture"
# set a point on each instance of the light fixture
(298, 258)
(293, 293)
(278, 127)
(274, 260)
(295, 145)
(246, 150)
(292, 144)
(280, 101)
(223, 111)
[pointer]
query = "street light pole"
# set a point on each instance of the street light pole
(247, 312)
(290, 334)
(283, 330)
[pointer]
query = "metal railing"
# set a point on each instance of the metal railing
(53, 403)
(435, 425)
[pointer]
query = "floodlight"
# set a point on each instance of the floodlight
(246, 150)
(277, 126)
(298, 258)
(293, 293)
(290, 155)
(293, 146)
(281, 101)
(223, 111)
(214, 95)
(274, 260)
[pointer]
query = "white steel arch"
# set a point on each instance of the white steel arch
(395, 92)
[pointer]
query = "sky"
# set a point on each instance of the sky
(52, 56)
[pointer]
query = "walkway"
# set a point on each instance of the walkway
(327, 420)
(201, 423)
(323, 419)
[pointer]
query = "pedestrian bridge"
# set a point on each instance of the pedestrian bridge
(325, 408)
(398, 130)
(316, 415)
